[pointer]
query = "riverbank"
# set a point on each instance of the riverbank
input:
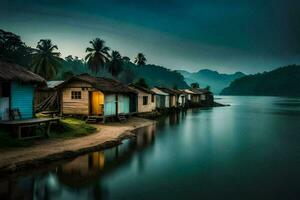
(46, 151)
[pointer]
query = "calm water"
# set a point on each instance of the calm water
(250, 150)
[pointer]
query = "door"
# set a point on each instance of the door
(97, 103)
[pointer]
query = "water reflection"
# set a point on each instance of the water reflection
(81, 176)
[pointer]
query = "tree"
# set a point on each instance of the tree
(75, 64)
(207, 88)
(98, 55)
(126, 59)
(195, 85)
(142, 83)
(115, 66)
(66, 75)
(45, 60)
(140, 59)
(13, 49)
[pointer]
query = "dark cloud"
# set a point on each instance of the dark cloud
(229, 35)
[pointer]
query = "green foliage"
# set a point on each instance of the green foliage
(140, 59)
(97, 58)
(283, 81)
(45, 60)
(158, 76)
(97, 55)
(142, 83)
(13, 49)
(70, 128)
(115, 66)
(195, 85)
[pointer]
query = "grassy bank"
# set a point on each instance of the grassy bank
(70, 128)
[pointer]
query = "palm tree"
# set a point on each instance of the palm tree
(140, 59)
(45, 60)
(126, 59)
(115, 66)
(97, 55)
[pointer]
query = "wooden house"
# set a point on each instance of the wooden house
(145, 99)
(95, 96)
(162, 98)
(173, 96)
(17, 91)
(203, 96)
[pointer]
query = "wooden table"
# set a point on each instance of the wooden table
(35, 122)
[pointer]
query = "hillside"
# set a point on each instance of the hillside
(207, 77)
(153, 74)
(158, 76)
(283, 81)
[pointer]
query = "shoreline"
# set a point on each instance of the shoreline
(45, 152)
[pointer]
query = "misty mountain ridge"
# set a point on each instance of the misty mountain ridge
(206, 77)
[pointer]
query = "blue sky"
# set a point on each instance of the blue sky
(232, 35)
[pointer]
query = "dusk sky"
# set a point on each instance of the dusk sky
(230, 35)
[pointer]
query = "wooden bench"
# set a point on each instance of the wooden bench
(18, 125)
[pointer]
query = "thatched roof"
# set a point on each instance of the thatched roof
(14, 72)
(170, 91)
(140, 88)
(106, 85)
(200, 91)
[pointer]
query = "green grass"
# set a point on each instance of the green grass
(70, 128)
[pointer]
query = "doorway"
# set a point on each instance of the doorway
(96, 103)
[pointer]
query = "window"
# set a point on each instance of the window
(152, 98)
(76, 95)
(145, 100)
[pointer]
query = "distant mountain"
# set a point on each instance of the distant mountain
(214, 79)
(284, 81)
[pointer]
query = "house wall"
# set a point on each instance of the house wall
(150, 105)
(110, 104)
(82, 106)
(22, 98)
(167, 101)
(173, 101)
(76, 106)
(181, 100)
(123, 104)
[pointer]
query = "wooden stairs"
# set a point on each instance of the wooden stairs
(94, 119)
(122, 118)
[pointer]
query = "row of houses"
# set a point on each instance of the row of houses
(87, 95)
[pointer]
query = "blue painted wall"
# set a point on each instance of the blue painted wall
(110, 104)
(22, 98)
(123, 104)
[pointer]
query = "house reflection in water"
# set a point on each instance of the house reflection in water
(82, 177)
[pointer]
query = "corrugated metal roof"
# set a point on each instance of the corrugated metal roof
(53, 84)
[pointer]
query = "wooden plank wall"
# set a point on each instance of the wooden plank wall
(76, 106)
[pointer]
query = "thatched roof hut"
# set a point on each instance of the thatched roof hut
(14, 72)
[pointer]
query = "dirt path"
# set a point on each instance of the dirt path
(47, 151)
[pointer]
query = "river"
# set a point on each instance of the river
(249, 150)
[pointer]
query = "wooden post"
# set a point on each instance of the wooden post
(47, 129)
(19, 132)
(117, 102)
